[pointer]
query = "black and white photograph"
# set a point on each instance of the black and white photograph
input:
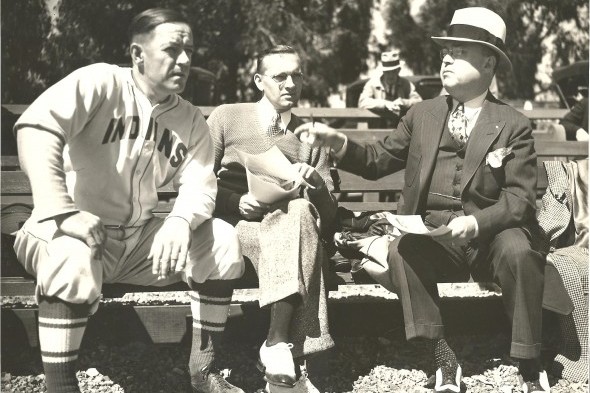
(294, 196)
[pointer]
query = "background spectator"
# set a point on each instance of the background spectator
(388, 94)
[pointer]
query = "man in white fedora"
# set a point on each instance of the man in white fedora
(470, 165)
(387, 93)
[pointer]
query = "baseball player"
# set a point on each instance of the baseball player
(96, 146)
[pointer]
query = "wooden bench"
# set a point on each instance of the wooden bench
(171, 304)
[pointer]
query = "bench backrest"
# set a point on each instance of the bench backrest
(546, 150)
(15, 187)
(346, 113)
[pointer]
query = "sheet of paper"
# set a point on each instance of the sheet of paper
(407, 224)
(441, 233)
(414, 224)
(272, 163)
(271, 177)
(268, 191)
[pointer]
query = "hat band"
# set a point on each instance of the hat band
(394, 63)
(476, 33)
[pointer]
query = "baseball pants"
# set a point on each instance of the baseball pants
(64, 268)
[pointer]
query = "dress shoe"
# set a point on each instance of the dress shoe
(303, 385)
(213, 381)
(276, 362)
(540, 385)
(448, 382)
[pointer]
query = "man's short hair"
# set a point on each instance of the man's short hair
(146, 21)
(277, 49)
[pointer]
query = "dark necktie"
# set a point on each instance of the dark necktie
(458, 125)
(274, 127)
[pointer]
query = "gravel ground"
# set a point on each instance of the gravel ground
(356, 364)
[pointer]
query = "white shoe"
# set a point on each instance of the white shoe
(303, 385)
(276, 362)
(540, 385)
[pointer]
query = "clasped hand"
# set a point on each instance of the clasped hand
(394, 106)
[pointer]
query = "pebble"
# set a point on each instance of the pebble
(357, 364)
(92, 372)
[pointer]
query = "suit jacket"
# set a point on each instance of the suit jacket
(499, 198)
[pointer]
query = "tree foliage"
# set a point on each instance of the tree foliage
(330, 35)
(23, 65)
(528, 23)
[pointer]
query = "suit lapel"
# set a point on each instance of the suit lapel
(487, 128)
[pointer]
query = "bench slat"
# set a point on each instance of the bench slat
(349, 113)
(15, 184)
(369, 206)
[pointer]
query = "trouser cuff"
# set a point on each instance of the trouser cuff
(424, 330)
(525, 351)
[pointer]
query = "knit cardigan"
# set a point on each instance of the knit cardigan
(237, 126)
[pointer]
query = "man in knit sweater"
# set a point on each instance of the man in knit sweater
(283, 239)
(96, 146)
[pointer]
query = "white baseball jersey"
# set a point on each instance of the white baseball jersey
(118, 150)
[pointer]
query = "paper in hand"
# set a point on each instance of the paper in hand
(271, 177)
(414, 224)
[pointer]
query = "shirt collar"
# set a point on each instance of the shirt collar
(472, 107)
(473, 104)
(267, 111)
(477, 102)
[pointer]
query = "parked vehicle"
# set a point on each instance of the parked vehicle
(569, 81)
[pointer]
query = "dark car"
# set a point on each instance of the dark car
(569, 81)
(200, 87)
(428, 86)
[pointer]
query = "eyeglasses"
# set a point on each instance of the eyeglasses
(281, 79)
(453, 52)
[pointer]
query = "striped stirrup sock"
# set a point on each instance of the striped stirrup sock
(209, 307)
(61, 327)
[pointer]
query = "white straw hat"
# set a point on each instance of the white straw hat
(481, 25)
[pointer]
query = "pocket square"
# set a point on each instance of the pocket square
(495, 158)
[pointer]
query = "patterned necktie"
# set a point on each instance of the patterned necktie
(458, 125)
(274, 127)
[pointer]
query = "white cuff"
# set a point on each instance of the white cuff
(340, 153)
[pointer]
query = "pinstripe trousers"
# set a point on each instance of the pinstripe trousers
(417, 263)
